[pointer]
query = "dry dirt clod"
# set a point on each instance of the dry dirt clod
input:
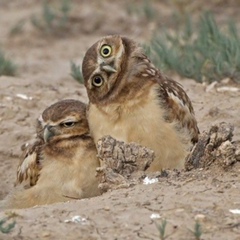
(226, 154)
(214, 146)
(120, 161)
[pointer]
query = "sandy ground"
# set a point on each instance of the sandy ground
(205, 195)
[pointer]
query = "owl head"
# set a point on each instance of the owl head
(62, 120)
(106, 66)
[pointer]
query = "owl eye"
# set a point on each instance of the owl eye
(68, 124)
(97, 81)
(106, 51)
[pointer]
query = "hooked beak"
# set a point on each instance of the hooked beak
(109, 68)
(48, 133)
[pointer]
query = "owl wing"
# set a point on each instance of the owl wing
(178, 105)
(30, 166)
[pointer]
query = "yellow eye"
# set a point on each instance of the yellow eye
(97, 81)
(106, 51)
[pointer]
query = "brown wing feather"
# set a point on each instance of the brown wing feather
(173, 97)
(29, 166)
(179, 105)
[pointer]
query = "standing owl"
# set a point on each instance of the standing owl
(133, 101)
(62, 161)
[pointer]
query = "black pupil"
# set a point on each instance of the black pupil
(105, 51)
(97, 80)
(69, 124)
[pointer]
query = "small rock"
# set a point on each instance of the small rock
(106, 208)
(226, 81)
(211, 86)
(200, 217)
(228, 89)
(147, 203)
(235, 211)
(155, 216)
(213, 112)
(46, 234)
(180, 210)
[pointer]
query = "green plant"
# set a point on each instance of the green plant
(197, 230)
(76, 72)
(145, 9)
(53, 20)
(162, 229)
(8, 227)
(7, 67)
(149, 10)
(203, 51)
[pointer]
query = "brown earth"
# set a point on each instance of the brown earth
(182, 198)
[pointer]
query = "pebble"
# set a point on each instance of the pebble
(200, 217)
(106, 208)
(180, 210)
(46, 234)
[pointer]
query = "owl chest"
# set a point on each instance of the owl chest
(135, 124)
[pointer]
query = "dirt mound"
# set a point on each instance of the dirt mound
(215, 147)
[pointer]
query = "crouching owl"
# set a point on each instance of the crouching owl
(61, 164)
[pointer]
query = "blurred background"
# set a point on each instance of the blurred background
(48, 39)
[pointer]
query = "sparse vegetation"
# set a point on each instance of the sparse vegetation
(162, 229)
(7, 67)
(53, 19)
(17, 28)
(76, 72)
(203, 52)
(6, 229)
(144, 9)
(197, 230)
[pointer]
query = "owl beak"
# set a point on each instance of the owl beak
(109, 68)
(48, 133)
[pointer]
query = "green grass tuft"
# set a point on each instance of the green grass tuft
(53, 20)
(197, 230)
(17, 28)
(144, 9)
(7, 67)
(162, 229)
(6, 229)
(203, 52)
(76, 73)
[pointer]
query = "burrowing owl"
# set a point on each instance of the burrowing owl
(30, 160)
(64, 154)
(133, 101)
